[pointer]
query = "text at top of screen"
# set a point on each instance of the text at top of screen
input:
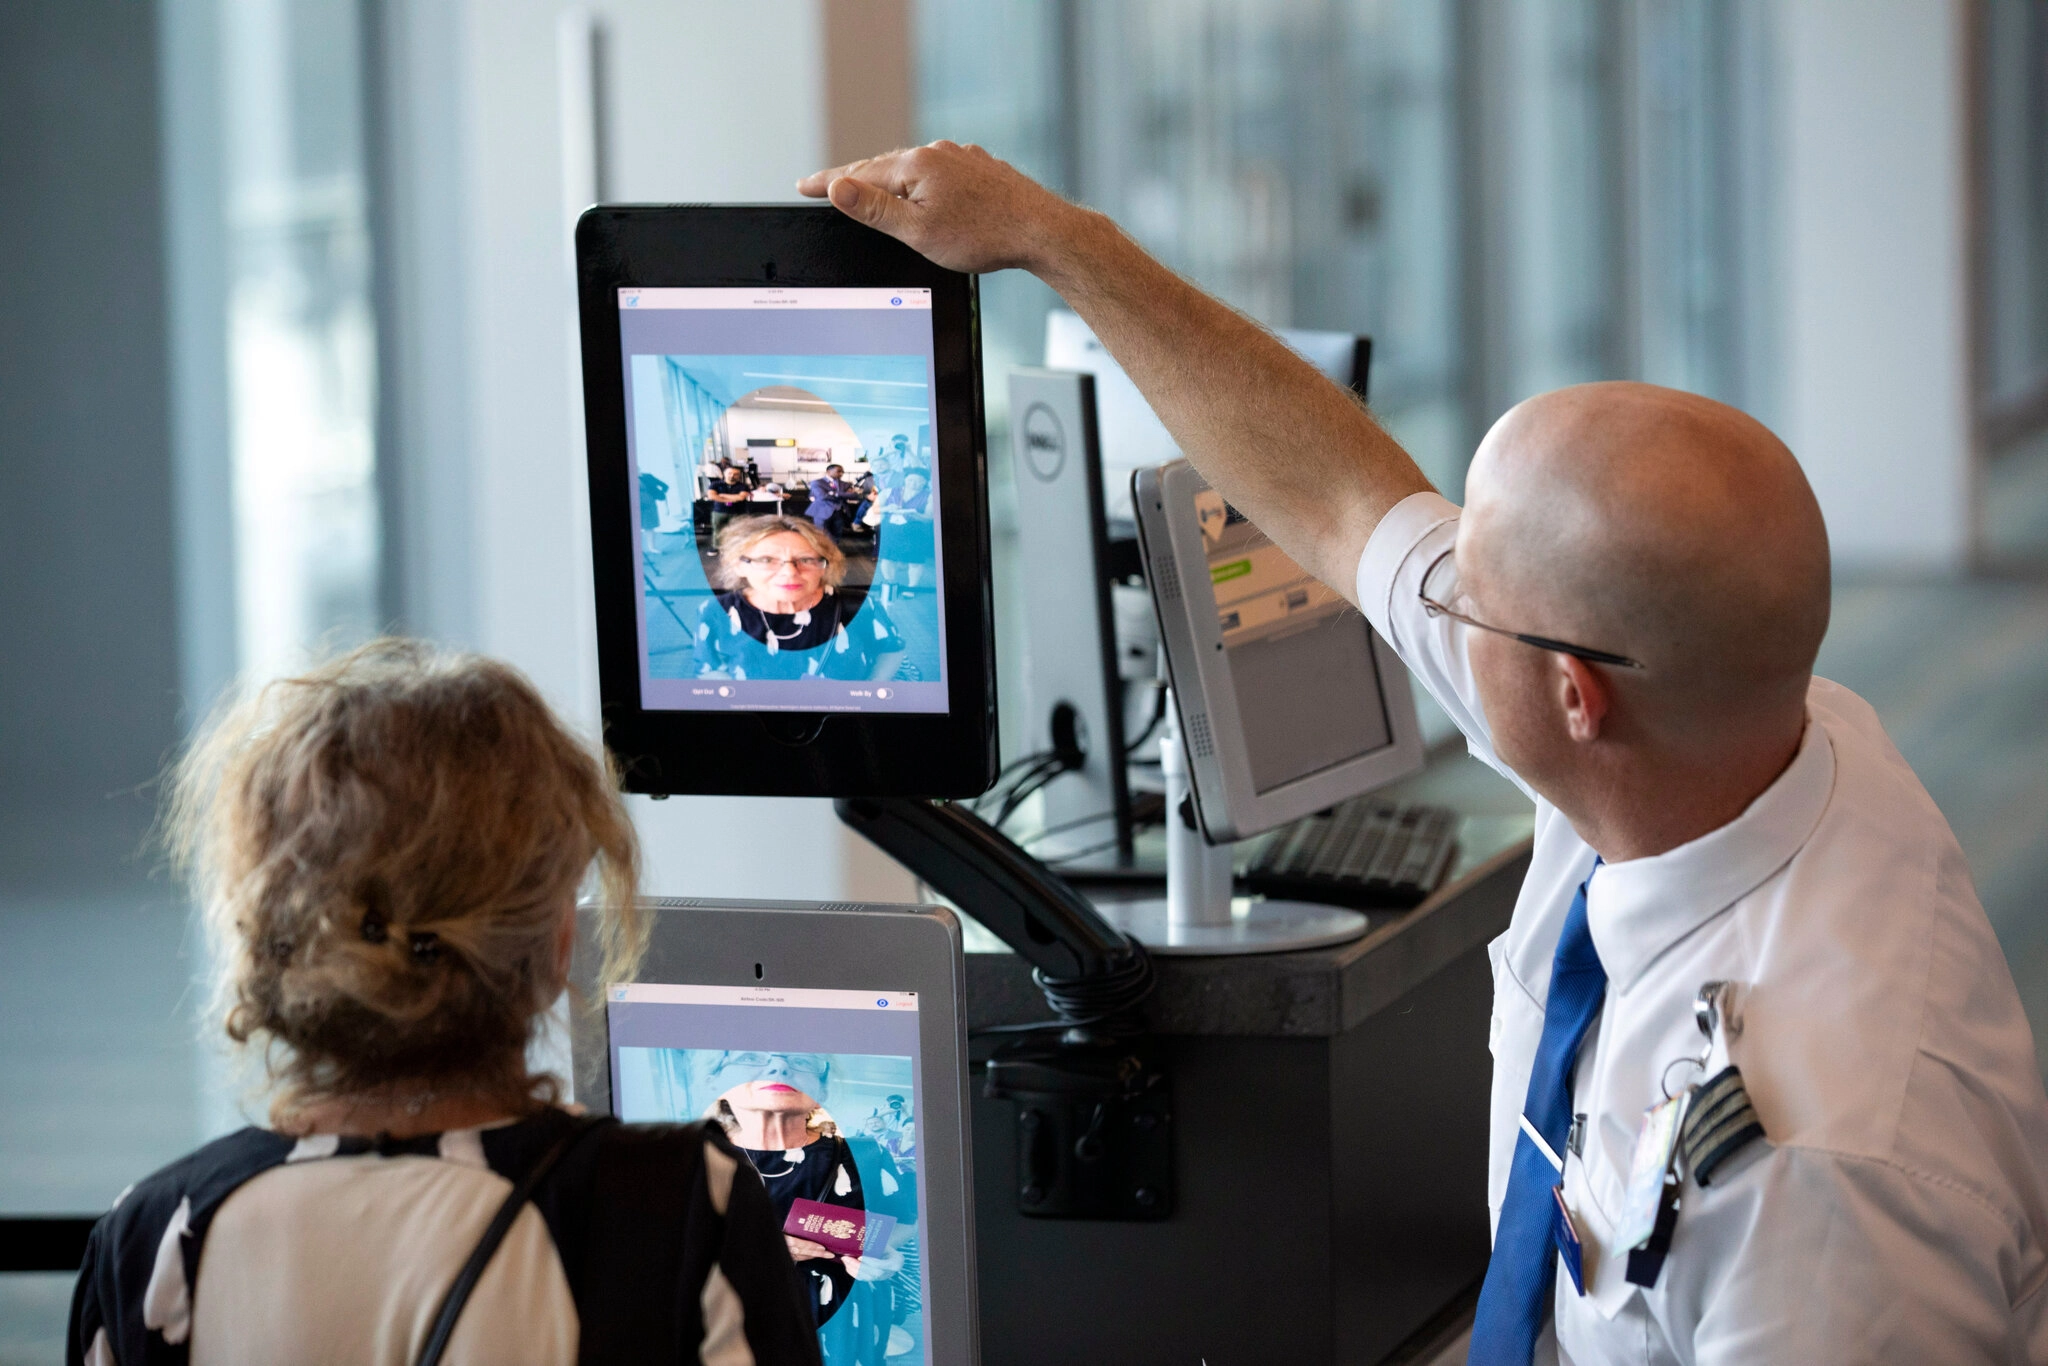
(769, 296)
(807, 998)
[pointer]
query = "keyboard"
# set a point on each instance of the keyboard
(1364, 852)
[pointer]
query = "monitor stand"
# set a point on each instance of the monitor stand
(1198, 915)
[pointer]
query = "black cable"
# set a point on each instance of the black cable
(1140, 820)
(1078, 821)
(1158, 715)
(1112, 995)
(1026, 786)
(1016, 764)
(1111, 999)
(1002, 796)
(1065, 859)
(1010, 771)
(1032, 772)
(1035, 776)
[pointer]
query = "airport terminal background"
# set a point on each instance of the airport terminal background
(288, 356)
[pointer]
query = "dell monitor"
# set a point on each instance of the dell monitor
(1132, 436)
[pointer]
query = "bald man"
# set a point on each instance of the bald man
(1623, 619)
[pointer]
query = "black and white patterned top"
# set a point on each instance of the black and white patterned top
(646, 1243)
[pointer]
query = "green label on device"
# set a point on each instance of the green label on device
(1236, 569)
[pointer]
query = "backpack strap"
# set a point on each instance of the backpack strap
(494, 1234)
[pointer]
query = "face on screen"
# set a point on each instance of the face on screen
(833, 1134)
(812, 583)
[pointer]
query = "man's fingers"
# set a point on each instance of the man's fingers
(957, 205)
(845, 194)
(886, 170)
(815, 184)
(869, 204)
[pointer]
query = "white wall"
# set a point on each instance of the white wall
(1876, 396)
(705, 101)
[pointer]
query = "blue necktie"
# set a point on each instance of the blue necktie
(1520, 1282)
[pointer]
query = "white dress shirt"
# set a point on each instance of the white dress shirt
(1899, 1210)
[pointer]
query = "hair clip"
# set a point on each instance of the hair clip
(426, 946)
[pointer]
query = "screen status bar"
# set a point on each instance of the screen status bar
(769, 296)
(808, 998)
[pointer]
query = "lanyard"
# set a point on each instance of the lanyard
(1691, 1132)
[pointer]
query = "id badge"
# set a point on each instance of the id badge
(1646, 1168)
(1565, 1233)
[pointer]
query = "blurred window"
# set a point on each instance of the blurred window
(264, 131)
(301, 336)
(2013, 111)
(1700, 107)
(1508, 195)
(996, 72)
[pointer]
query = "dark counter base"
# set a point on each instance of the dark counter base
(1332, 1198)
(1330, 1114)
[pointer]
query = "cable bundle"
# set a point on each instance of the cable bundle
(1016, 783)
(1113, 998)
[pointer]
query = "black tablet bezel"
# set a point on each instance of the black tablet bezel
(847, 946)
(781, 753)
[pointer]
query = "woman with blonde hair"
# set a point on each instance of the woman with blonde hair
(782, 610)
(388, 851)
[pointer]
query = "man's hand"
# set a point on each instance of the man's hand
(957, 205)
(1291, 450)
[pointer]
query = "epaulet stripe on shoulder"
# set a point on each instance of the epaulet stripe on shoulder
(1719, 1123)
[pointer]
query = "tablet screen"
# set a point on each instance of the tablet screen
(821, 1090)
(781, 468)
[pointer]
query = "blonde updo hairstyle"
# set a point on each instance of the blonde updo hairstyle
(384, 848)
(742, 534)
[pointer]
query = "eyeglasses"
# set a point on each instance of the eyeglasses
(813, 563)
(809, 1063)
(1440, 589)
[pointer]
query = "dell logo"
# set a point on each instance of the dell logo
(1045, 443)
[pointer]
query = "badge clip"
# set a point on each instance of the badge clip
(1565, 1232)
(1691, 1132)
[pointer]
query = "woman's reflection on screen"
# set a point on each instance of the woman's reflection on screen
(780, 610)
(777, 1116)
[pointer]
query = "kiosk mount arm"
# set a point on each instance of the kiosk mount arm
(1019, 899)
(1093, 1108)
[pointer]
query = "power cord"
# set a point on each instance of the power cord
(1014, 771)
(1036, 778)
(1113, 998)
(1029, 774)
(1158, 715)
(1109, 1002)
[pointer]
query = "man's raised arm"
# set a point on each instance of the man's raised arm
(1294, 452)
